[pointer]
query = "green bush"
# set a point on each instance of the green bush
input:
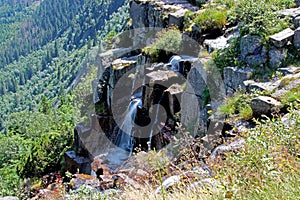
(260, 16)
(211, 18)
(34, 144)
(168, 42)
(238, 105)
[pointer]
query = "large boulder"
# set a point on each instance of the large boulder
(250, 44)
(191, 100)
(264, 105)
(176, 18)
(252, 51)
(282, 38)
(277, 57)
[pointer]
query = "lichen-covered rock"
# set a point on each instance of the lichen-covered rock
(297, 38)
(261, 86)
(176, 18)
(282, 38)
(255, 60)
(292, 12)
(234, 77)
(191, 100)
(250, 45)
(277, 57)
(264, 105)
(288, 70)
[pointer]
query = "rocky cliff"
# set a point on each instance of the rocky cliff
(139, 103)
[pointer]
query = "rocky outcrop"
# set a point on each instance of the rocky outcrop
(282, 38)
(264, 105)
(252, 51)
(234, 78)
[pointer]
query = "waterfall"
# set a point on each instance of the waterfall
(108, 96)
(154, 123)
(174, 61)
(125, 139)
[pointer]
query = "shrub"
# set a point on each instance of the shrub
(168, 42)
(227, 56)
(260, 17)
(211, 18)
(34, 144)
(238, 105)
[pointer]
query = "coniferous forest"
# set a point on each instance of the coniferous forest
(45, 44)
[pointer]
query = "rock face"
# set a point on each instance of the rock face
(277, 57)
(297, 38)
(252, 50)
(282, 38)
(234, 78)
(191, 99)
(250, 45)
(264, 105)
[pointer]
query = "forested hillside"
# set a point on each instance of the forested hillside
(45, 43)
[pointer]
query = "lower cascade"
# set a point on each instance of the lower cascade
(125, 140)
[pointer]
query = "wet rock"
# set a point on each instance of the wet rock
(277, 57)
(297, 38)
(174, 93)
(234, 77)
(264, 105)
(282, 38)
(234, 146)
(75, 163)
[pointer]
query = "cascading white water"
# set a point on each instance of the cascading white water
(154, 123)
(174, 61)
(125, 139)
(108, 96)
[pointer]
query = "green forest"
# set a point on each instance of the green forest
(46, 46)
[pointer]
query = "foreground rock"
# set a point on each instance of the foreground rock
(264, 105)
